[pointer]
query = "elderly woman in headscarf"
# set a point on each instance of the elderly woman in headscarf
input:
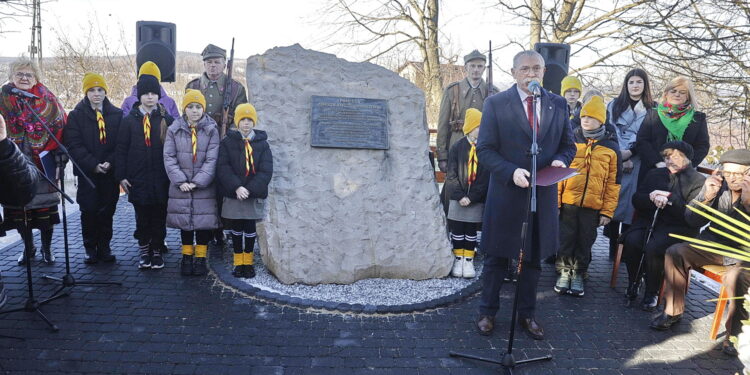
(28, 132)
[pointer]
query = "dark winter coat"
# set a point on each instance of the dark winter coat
(458, 174)
(15, 167)
(684, 187)
(231, 169)
(195, 210)
(82, 140)
(503, 146)
(142, 166)
(652, 135)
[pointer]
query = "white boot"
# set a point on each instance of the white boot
(468, 264)
(458, 263)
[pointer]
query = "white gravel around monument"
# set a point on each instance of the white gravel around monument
(387, 292)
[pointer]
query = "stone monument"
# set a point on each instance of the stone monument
(353, 195)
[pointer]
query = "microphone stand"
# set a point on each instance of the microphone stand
(31, 304)
(508, 362)
(67, 280)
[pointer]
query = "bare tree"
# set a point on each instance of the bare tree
(387, 27)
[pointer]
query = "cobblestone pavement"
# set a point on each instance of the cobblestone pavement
(161, 323)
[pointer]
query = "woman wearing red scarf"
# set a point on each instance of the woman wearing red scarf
(34, 141)
(675, 118)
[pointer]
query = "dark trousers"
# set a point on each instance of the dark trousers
(243, 232)
(577, 235)
(654, 259)
(494, 271)
(463, 234)
(737, 311)
(151, 225)
(195, 237)
(96, 228)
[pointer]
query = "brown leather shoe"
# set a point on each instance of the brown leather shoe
(532, 328)
(486, 324)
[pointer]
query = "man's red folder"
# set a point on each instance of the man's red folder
(552, 175)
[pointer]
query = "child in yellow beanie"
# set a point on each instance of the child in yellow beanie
(191, 151)
(90, 135)
(244, 172)
(571, 89)
(467, 180)
(587, 200)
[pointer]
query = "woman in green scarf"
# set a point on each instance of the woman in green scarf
(675, 118)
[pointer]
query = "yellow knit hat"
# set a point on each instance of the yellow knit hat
(595, 108)
(570, 82)
(471, 120)
(193, 96)
(243, 111)
(150, 68)
(91, 80)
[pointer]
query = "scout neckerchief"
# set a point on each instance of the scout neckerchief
(194, 142)
(102, 129)
(249, 163)
(588, 152)
(473, 162)
(147, 129)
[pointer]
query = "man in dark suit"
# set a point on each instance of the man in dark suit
(503, 147)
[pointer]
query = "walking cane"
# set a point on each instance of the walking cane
(638, 275)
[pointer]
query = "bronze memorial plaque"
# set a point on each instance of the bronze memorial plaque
(349, 122)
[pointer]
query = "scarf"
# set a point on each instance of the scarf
(24, 130)
(194, 142)
(473, 163)
(587, 153)
(147, 129)
(675, 119)
(102, 128)
(249, 163)
(597, 134)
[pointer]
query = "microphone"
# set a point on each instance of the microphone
(10, 90)
(535, 87)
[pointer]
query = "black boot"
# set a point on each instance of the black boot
(199, 266)
(239, 271)
(89, 257)
(105, 254)
(47, 256)
(186, 265)
(249, 271)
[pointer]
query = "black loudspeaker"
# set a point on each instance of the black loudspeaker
(557, 59)
(157, 42)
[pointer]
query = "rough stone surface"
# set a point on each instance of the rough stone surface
(342, 215)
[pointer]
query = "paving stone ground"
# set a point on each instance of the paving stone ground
(161, 323)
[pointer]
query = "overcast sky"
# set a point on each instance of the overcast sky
(257, 25)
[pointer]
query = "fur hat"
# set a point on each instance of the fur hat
(681, 146)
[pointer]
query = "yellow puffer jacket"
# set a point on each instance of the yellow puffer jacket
(598, 186)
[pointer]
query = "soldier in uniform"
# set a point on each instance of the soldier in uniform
(211, 85)
(459, 96)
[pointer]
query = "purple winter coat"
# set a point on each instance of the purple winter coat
(165, 100)
(197, 209)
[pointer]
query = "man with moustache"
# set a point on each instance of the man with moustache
(503, 146)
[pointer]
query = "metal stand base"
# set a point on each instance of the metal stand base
(32, 306)
(69, 281)
(508, 363)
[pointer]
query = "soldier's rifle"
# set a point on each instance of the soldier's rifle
(227, 95)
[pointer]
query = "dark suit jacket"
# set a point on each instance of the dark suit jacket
(503, 145)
